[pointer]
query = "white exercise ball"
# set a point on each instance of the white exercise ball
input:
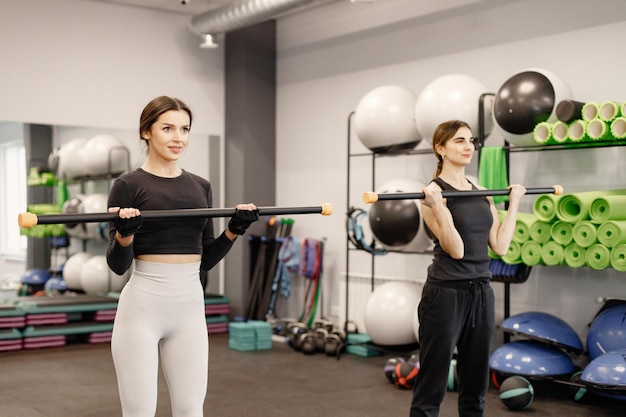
(398, 224)
(384, 120)
(95, 203)
(105, 154)
(75, 205)
(96, 277)
(71, 163)
(525, 100)
(72, 269)
(450, 97)
(389, 313)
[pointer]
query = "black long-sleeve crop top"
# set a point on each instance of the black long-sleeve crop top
(144, 191)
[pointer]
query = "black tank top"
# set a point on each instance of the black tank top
(472, 218)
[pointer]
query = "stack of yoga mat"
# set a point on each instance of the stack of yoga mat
(591, 122)
(575, 230)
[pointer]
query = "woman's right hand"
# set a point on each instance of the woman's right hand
(432, 195)
(128, 220)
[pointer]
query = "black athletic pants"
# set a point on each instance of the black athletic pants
(453, 314)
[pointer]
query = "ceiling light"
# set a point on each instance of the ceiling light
(209, 41)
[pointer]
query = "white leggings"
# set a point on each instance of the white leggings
(161, 308)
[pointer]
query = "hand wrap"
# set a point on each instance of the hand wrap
(129, 226)
(242, 219)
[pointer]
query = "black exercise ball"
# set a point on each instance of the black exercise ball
(405, 374)
(390, 368)
(516, 393)
(526, 99)
(395, 222)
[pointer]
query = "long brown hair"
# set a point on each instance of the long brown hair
(156, 108)
(443, 133)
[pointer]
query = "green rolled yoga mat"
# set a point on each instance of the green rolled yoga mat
(618, 258)
(514, 254)
(598, 130)
(585, 233)
(577, 131)
(598, 256)
(523, 223)
(605, 208)
(542, 134)
(609, 110)
(618, 128)
(561, 232)
(531, 253)
(552, 253)
(574, 255)
(590, 111)
(544, 207)
(574, 207)
(492, 254)
(612, 233)
(492, 172)
(540, 231)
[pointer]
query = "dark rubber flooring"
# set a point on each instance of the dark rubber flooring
(79, 380)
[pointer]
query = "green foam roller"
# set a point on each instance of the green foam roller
(618, 258)
(544, 207)
(514, 254)
(618, 128)
(574, 255)
(590, 111)
(531, 253)
(585, 233)
(542, 134)
(612, 233)
(598, 130)
(561, 232)
(609, 110)
(598, 256)
(523, 223)
(552, 253)
(605, 208)
(577, 131)
(559, 132)
(540, 231)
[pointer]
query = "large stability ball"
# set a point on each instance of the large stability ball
(71, 162)
(607, 331)
(72, 270)
(95, 203)
(105, 154)
(389, 313)
(96, 277)
(398, 224)
(452, 96)
(384, 120)
(75, 205)
(525, 100)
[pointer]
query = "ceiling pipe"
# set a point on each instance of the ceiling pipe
(243, 13)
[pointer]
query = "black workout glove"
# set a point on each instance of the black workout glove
(242, 220)
(129, 226)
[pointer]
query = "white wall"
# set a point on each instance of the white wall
(90, 67)
(322, 80)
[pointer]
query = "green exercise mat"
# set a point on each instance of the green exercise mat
(574, 255)
(552, 253)
(523, 223)
(585, 233)
(540, 231)
(492, 254)
(531, 253)
(492, 172)
(618, 128)
(598, 256)
(618, 258)
(608, 207)
(561, 232)
(612, 233)
(514, 254)
(574, 207)
(544, 207)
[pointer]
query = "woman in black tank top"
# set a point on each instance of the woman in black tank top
(457, 306)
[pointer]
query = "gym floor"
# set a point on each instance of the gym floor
(78, 380)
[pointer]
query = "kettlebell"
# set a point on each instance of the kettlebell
(308, 343)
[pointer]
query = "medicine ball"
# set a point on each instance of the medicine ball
(405, 375)
(390, 368)
(516, 393)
